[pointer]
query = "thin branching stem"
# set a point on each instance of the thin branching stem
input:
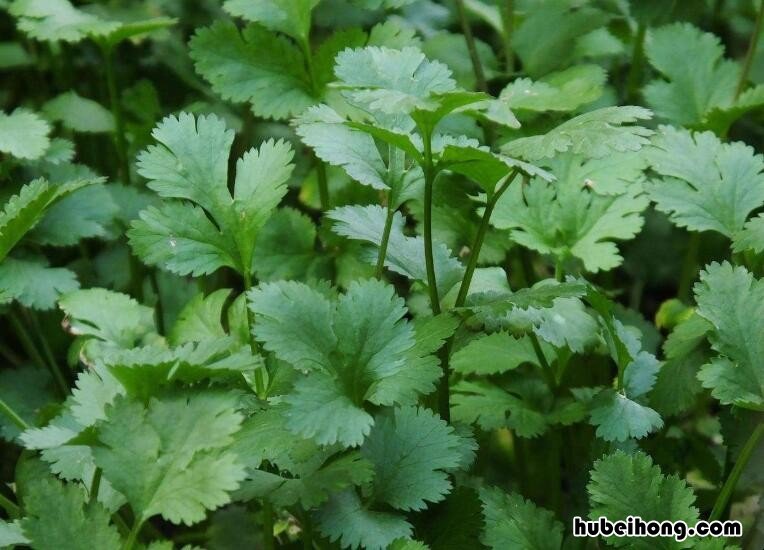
(507, 19)
(13, 416)
(429, 181)
(742, 461)
(10, 507)
(479, 238)
(477, 66)
(752, 44)
(385, 240)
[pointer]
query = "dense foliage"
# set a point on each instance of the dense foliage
(379, 273)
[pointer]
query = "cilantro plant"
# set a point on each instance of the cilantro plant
(380, 274)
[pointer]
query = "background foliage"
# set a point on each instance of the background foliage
(379, 273)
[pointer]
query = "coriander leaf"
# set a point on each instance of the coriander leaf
(565, 90)
(79, 114)
(55, 20)
(493, 354)
(707, 185)
(618, 418)
(109, 316)
(732, 300)
(292, 17)
(286, 248)
(277, 85)
(625, 485)
(324, 130)
(593, 134)
(23, 134)
(171, 457)
(411, 450)
(34, 283)
(391, 81)
(513, 522)
(345, 519)
(11, 534)
(218, 229)
(58, 516)
(22, 212)
(201, 319)
(570, 218)
(751, 237)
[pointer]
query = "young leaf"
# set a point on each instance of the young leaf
(171, 457)
(34, 283)
(571, 217)
(513, 522)
(707, 185)
(564, 91)
(411, 450)
(732, 300)
(625, 485)
(58, 516)
(23, 134)
(593, 134)
(217, 229)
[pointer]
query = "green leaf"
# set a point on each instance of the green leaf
(11, 534)
(594, 134)
(292, 17)
(201, 319)
(707, 185)
(276, 85)
(405, 255)
(54, 20)
(625, 485)
(493, 354)
(86, 213)
(286, 248)
(58, 516)
(565, 90)
(698, 79)
(109, 316)
(571, 217)
(171, 457)
(391, 81)
(751, 237)
(313, 487)
(23, 134)
(732, 300)
(619, 418)
(542, 51)
(411, 450)
(324, 130)
(513, 522)
(353, 350)
(22, 212)
(79, 114)
(34, 283)
(345, 519)
(218, 229)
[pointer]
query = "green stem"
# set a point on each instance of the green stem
(10, 507)
(95, 485)
(385, 239)
(133, 535)
(689, 267)
(729, 485)
(13, 416)
(637, 62)
(268, 539)
(429, 180)
(259, 375)
(559, 270)
(51, 360)
(477, 66)
(551, 380)
(464, 288)
(116, 111)
(507, 18)
(323, 185)
(10, 355)
(754, 42)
